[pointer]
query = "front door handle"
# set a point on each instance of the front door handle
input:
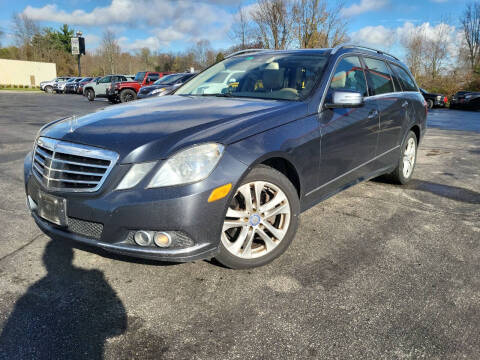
(373, 114)
(405, 104)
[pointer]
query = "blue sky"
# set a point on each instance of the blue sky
(174, 25)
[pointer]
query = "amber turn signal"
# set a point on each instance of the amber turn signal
(219, 193)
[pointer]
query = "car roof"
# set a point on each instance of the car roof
(339, 50)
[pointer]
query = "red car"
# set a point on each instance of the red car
(127, 90)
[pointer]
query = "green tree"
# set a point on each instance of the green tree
(219, 57)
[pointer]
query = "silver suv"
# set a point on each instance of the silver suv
(99, 87)
(48, 86)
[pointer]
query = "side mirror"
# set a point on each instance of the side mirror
(97, 81)
(345, 99)
(149, 79)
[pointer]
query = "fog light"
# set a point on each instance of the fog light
(143, 238)
(162, 239)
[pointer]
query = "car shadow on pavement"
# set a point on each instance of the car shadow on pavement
(447, 191)
(68, 314)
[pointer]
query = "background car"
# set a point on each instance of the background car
(457, 98)
(467, 101)
(84, 82)
(71, 87)
(125, 91)
(47, 86)
(434, 100)
(100, 86)
(59, 86)
(164, 85)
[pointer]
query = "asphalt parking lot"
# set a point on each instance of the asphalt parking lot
(378, 271)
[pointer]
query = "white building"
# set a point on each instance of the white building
(18, 72)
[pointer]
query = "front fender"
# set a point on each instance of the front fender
(298, 142)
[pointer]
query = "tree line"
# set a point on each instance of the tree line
(273, 24)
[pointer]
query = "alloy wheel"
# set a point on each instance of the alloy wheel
(257, 220)
(409, 158)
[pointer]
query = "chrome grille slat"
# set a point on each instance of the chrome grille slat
(80, 164)
(76, 172)
(42, 153)
(64, 166)
(39, 160)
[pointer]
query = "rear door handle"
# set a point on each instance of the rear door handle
(405, 104)
(373, 114)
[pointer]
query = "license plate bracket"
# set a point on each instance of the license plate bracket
(52, 208)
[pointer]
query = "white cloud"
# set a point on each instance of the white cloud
(432, 32)
(377, 36)
(364, 6)
(164, 20)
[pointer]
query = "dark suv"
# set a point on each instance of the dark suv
(224, 168)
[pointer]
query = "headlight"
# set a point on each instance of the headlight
(136, 173)
(468, 96)
(156, 91)
(439, 98)
(188, 166)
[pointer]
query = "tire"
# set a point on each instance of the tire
(277, 191)
(49, 89)
(127, 95)
(90, 94)
(430, 104)
(399, 175)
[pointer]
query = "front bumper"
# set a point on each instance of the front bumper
(181, 210)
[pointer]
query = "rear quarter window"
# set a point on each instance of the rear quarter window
(379, 77)
(406, 80)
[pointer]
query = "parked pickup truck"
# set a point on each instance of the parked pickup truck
(127, 90)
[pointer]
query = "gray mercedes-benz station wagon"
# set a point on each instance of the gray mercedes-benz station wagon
(224, 166)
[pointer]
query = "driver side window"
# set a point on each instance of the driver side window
(349, 76)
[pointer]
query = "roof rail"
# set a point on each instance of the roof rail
(245, 51)
(343, 46)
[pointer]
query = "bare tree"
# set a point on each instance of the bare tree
(436, 50)
(273, 20)
(318, 25)
(471, 30)
(414, 44)
(110, 51)
(203, 53)
(241, 31)
(24, 31)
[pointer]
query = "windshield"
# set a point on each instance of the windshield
(283, 76)
(139, 77)
(168, 79)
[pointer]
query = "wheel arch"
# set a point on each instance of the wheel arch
(283, 163)
(416, 130)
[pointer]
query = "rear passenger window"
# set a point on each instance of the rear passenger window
(349, 75)
(407, 82)
(379, 78)
(396, 80)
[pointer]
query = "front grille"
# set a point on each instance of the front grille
(64, 166)
(86, 228)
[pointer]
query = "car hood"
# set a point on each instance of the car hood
(155, 128)
(149, 88)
